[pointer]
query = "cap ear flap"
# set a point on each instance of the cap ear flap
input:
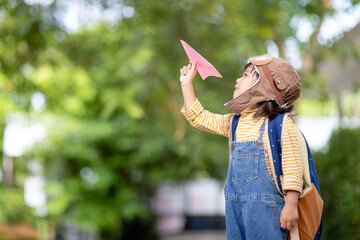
(279, 81)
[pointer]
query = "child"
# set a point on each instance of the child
(254, 208)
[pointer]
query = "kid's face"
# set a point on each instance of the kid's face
(246, 81)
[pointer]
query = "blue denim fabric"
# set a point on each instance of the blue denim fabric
(252, 202)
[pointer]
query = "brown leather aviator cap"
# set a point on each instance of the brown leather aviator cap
(277, 81)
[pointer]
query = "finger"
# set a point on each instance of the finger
(184, 71)
(288, 225)
(284, 223)
(283, 226)
(193, 66)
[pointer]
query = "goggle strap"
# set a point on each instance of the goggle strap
(270, 78)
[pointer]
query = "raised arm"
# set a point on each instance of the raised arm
(194, 112)
(187, 75)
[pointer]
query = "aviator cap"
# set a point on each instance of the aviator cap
(277, 81)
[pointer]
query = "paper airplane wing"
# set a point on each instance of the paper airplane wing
(204, 68)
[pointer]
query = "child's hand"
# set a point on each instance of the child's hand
(187, 74)
(289, 214)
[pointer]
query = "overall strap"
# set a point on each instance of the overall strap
(262, 129)
(234, 124)
(233, 127)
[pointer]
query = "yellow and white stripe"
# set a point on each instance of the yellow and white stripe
(249, 129)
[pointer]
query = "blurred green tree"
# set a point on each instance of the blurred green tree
(113, 97)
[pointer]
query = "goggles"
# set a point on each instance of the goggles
(260, 60)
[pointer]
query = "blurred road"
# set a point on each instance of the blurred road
(198, 235)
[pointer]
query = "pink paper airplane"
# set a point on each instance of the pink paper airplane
(204, 68)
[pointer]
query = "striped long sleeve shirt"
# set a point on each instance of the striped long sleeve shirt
(249, 129)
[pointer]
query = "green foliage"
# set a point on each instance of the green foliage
(13, 208)
(99, 185)
(113, 97)
(338, 171)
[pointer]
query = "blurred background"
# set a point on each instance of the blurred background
(93, 144)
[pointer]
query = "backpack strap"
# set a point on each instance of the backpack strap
(304, 153)
(274, 141)
(312, 170)
(276, 126)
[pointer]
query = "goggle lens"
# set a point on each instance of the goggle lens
(260, 60)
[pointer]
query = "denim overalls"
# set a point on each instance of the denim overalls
(252, 202)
